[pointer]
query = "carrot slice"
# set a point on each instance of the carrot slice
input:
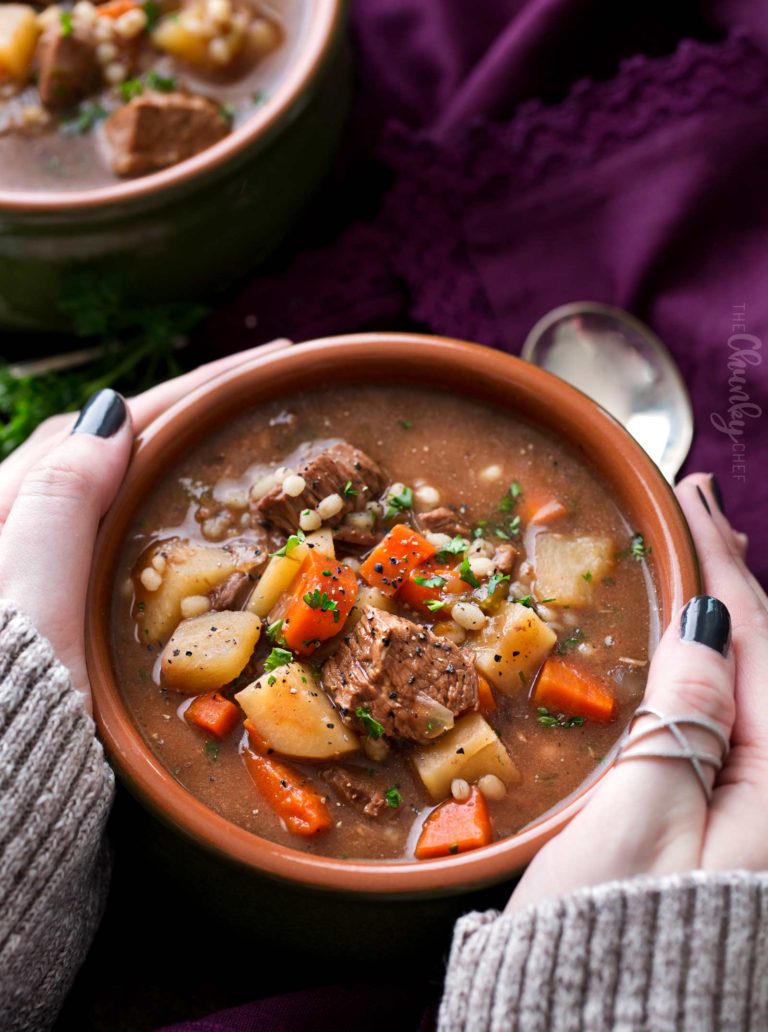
(455, 827)
(415, 593)
(115, 8)
(213, 713)
(317, 603)
(486, 703)
(540, 509)
(286, 791)
(567, 689)
(394, 557)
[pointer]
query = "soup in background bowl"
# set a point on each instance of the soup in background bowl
(371, 614)
(164, 147)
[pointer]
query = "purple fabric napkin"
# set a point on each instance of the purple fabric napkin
(641, 186)
(508, 156)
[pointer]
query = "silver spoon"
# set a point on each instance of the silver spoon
(623, 366)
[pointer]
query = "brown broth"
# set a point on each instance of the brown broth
(450, 440)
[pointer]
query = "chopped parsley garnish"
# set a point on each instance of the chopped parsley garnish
(227, 112)
(509, 501)
(293, 542)
(278, 657)
(511, 529)
(393, 797)
(141, 606)
(406, 424)
(494, 581)
(587, 576)
(530, 602)
(271, 680)
(371, 725)
(131, 88)
(161, 83)
(211, 750)
(152, 80)
(67, 23)
(400, 502)
(467, 576)
(152, 11)
(85, 119)
(431, 582)
(274, 631)
(570, 643)
(547, 719)
(349, 491)
(638, 548)
(456, 546)
(321, 600)
(433, 604)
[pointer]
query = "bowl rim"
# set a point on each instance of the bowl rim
(324, 19)
(175, 805)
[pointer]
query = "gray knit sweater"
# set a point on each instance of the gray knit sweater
(685, 953)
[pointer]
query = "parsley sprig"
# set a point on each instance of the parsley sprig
(293, 542)
(398, 501)
(138, 346)
(278, 657)
(548, 719)
(372, 726)
(321, 600)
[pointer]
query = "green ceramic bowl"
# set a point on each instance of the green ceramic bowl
(192, 229)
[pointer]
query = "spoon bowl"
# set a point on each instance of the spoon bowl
(623, 366)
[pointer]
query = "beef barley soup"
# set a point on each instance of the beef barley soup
(95, 92)
(382, 622)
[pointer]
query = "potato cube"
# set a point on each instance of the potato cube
(186, 569)
(322, 540)
(294, 716)
(176, 36)
(209, 651)
(469, 750)
(567, 567)
(18, 37)
(277, 577)
(512, 645)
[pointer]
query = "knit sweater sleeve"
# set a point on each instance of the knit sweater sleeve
(55, 794)
(687, 952)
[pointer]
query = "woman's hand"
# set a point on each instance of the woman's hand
(650, 816)
(53, 492)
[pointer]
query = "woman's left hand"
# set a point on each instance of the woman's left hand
(55, 489)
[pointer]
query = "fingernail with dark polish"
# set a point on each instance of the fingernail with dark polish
(102, 415)
(717, 494)
(706, 621)
(704, 501)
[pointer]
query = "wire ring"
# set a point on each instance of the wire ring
(672, 724)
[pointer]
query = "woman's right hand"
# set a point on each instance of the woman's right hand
(650, 816)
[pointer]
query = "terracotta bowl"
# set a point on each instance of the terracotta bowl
(470, 371)
(189, 230)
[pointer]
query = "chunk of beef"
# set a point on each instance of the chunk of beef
(443, 521)
(388, 664)
(251, 556)
(156, 130)
(356, 788)
(67, 66)
(232, 593)
(329, 472)
(355, 539)
(504, 558)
